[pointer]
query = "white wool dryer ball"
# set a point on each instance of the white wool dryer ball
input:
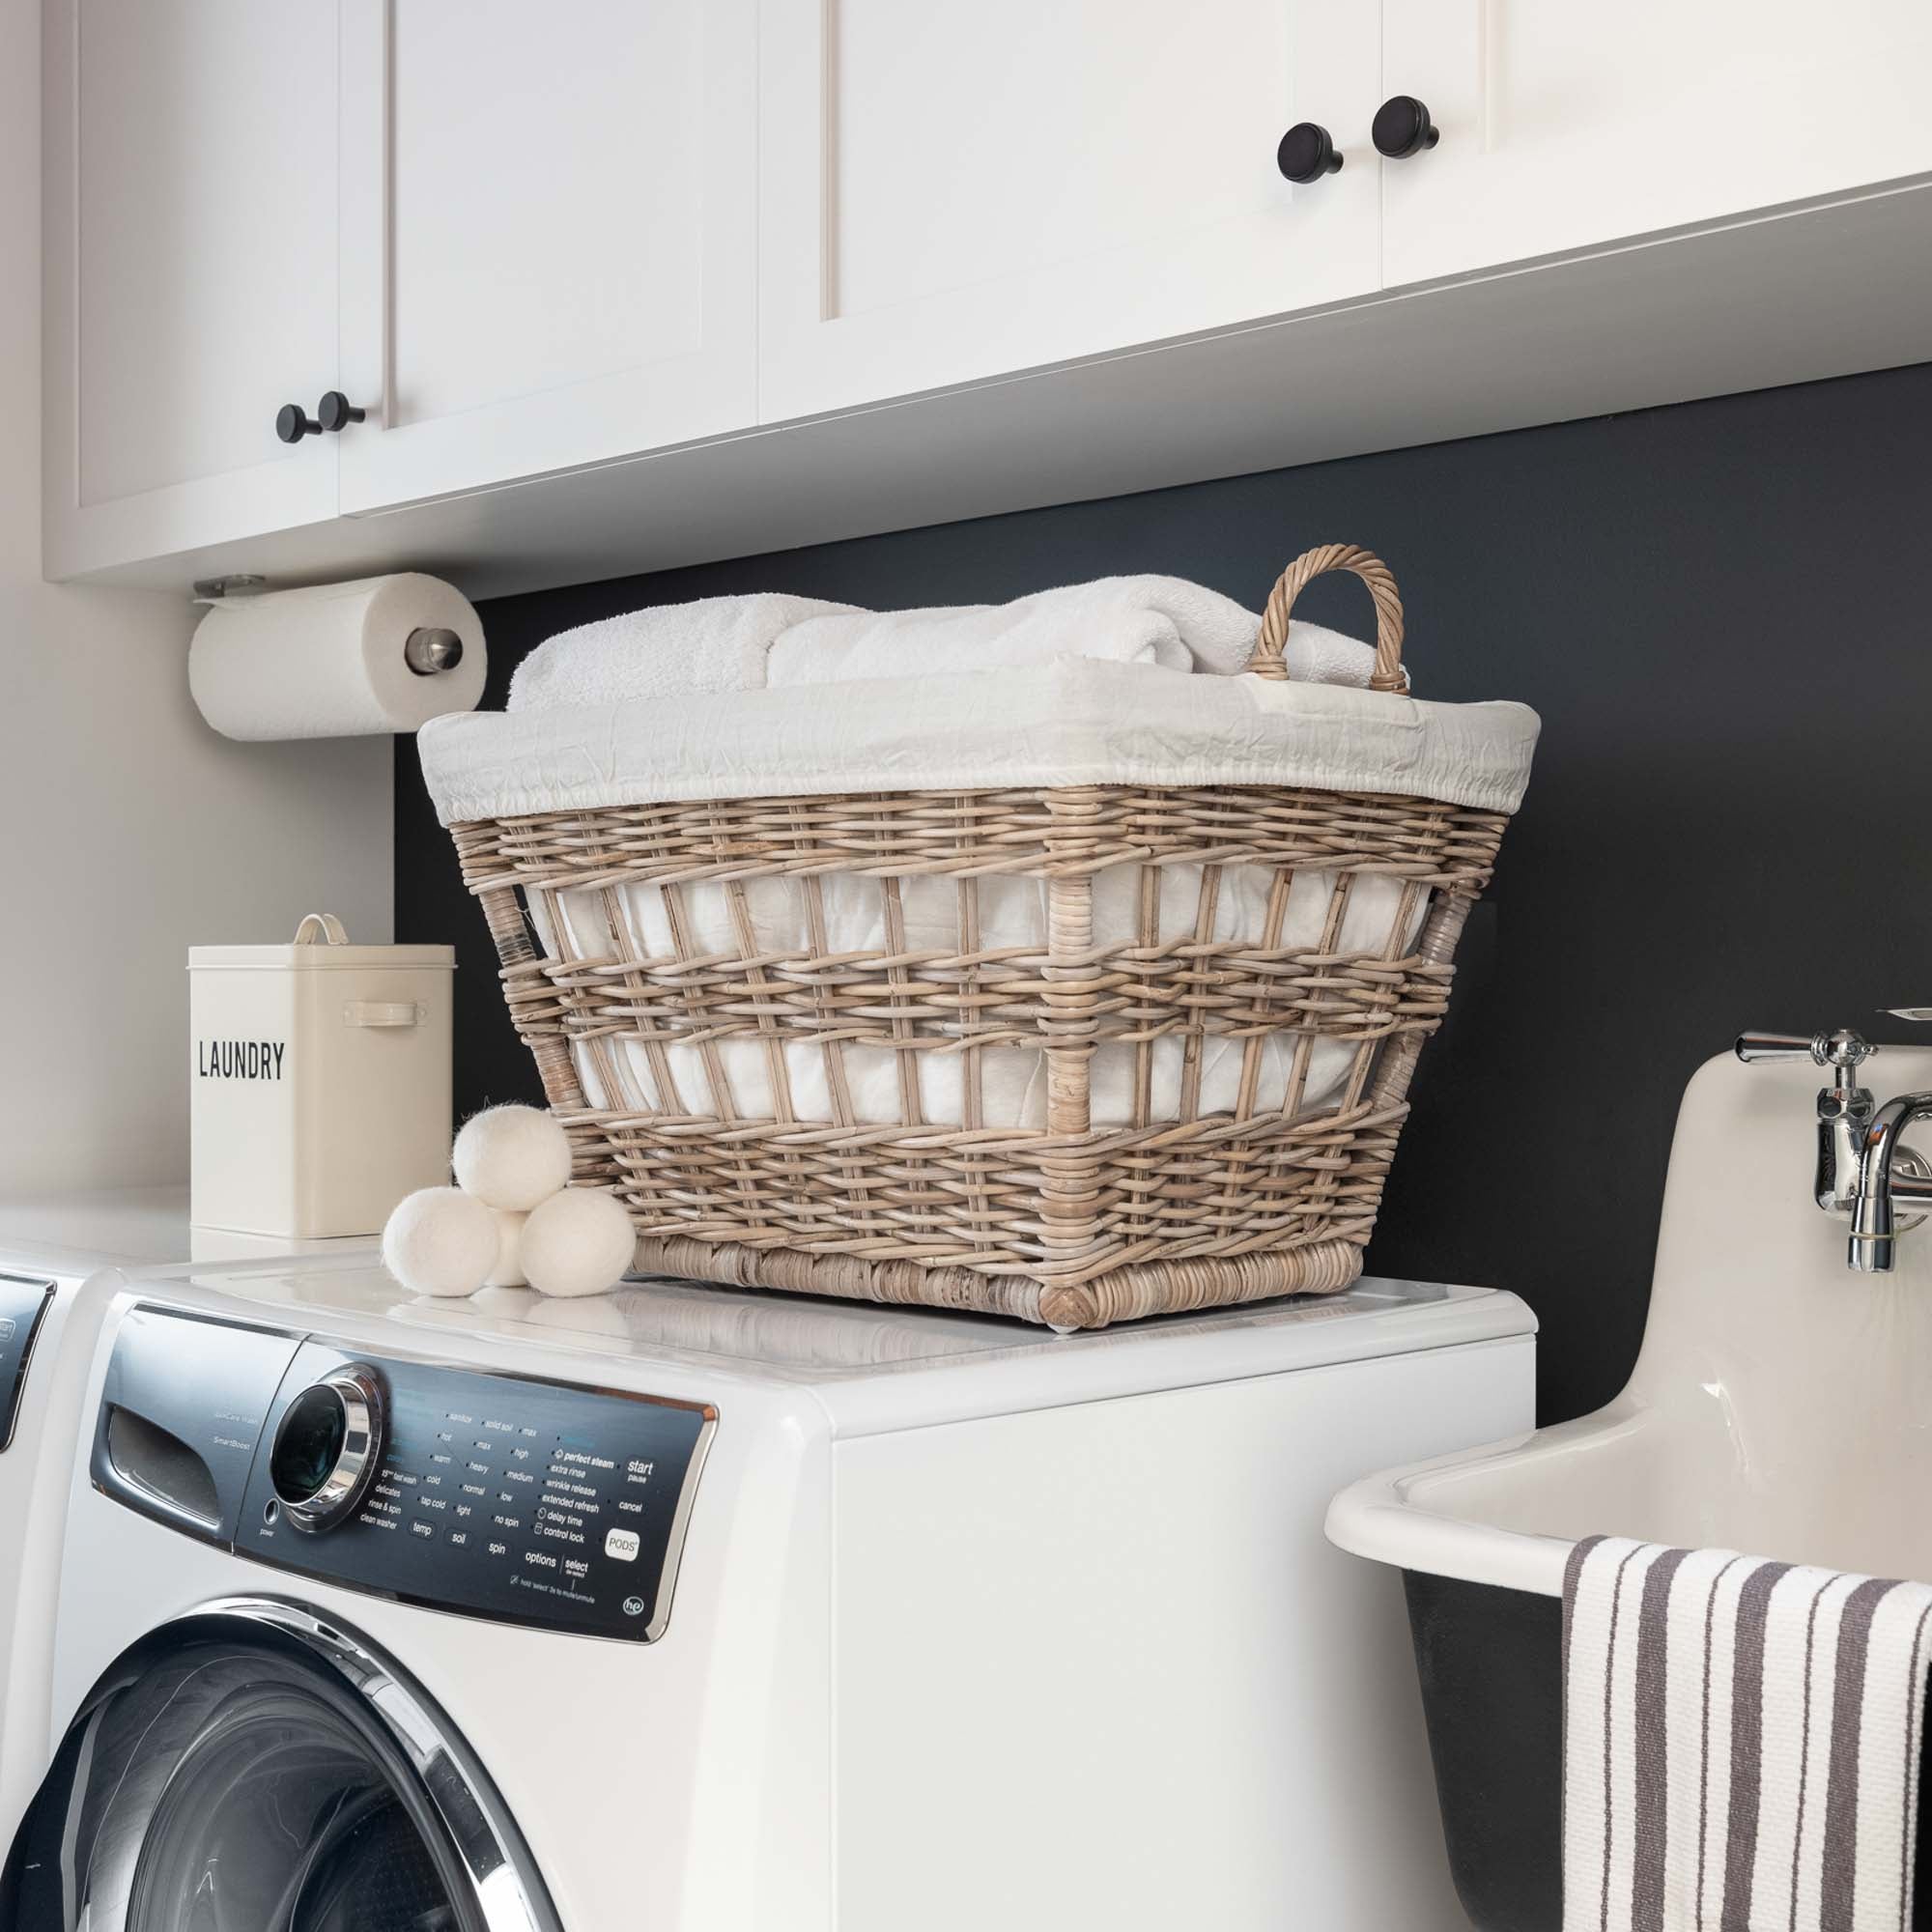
(577, 1243)
(507, 1269)
(512, 1157)
(440, 1240)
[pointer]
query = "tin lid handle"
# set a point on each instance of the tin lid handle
(323, 922)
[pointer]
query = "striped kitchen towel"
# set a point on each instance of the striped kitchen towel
(1741, 1743)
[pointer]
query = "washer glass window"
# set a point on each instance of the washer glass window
(233, 1777)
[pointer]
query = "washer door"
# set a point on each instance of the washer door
(257, 1768)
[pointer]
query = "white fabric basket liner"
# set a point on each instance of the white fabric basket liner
(1074, 722)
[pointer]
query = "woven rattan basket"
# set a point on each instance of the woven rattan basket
(1062, 1221)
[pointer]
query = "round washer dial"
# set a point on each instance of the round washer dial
(329, 1446)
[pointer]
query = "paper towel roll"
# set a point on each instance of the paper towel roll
(329, 661)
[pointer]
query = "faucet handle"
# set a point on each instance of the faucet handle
(1842, 1049)
(1910, 1012)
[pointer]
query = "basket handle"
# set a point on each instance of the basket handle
(1265, 661)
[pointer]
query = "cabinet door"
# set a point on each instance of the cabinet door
(191, 215)
(1565, 126)
(550, 255)
(954, 191)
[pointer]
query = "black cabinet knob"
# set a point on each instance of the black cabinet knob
(335, 412)
(1306, 153)
(292, 423)
(1403, 128)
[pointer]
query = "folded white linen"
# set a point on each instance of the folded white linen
(717, 644)
(773, 642)
(1162, 620)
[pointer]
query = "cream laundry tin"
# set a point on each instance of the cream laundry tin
(321, 1081)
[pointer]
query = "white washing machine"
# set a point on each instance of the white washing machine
(706, 1612)
(51, 1245)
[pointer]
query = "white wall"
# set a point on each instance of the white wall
(128, 829)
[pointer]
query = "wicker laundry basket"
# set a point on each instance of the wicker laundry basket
(1166, 1205)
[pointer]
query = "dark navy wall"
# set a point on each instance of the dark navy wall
(1722, 612)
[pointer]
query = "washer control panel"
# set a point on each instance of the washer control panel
(507, 1499)
(499, 1496)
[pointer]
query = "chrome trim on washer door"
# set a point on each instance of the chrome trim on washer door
(496, 1861)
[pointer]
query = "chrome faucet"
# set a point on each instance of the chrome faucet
(1864, 1172)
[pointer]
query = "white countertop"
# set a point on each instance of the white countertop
(870, 1364)
(130, 1227)
(864, 1351)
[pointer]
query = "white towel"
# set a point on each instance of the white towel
(1741, 1743)
(1162, 620)
(769, 641)
(718, 643)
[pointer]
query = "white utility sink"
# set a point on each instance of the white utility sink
(1781, 1405)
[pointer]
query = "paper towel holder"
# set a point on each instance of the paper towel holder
(431, 648)
(237, 584)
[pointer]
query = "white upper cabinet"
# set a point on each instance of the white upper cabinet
(530, 243)
(953, 193)
(190, 270)
(549, 236)
(1565, 126)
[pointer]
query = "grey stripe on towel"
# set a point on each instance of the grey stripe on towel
(1704, 1789)
(1842, 1794)
(1652, 1770)
(1746, 1743)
